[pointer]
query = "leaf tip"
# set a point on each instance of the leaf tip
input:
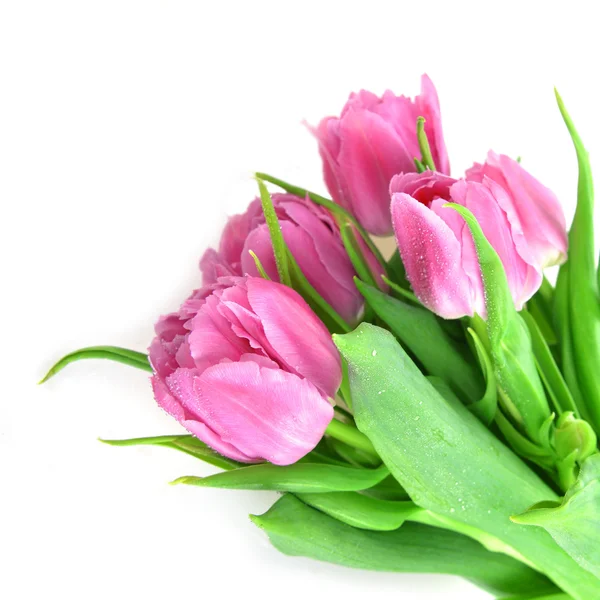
(257, 520)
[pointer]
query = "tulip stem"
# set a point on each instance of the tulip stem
(350, 435)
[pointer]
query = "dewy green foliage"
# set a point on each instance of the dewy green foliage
(521, 390)
(447, 460)
(581, 327)
(298, 530)
(419, 329)
(575, 523)
(299, 477)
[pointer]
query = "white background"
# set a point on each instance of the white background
(128, 131)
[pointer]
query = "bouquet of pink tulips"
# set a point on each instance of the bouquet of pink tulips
(435, 412)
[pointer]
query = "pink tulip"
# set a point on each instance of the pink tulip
(372, 140)
(313, 238)
(247, 367)
(437, 248)
(530, 206)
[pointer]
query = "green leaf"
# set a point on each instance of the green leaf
(447, 460)
(357, 258)
(396, 271)
(259, 266)
(548, 369)
(522, 394)
(543, 596)
(298, 530)
(279, 247)
(419, 166)
(563, 328)
(333, 321)
(540, 306)
(426, 156)
(419, 330)
(401, 293)
(184, 443)
(334, 208)
(486, 407)
(575, 524)
(122, 355)
(363, 511)
(582, 284)
(299, 477)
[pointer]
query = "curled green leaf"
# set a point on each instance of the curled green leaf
(575, 523)
(184, 443)
(299, 477)
(139, 360)
(277, 242)
(298, 530)
(583, 301)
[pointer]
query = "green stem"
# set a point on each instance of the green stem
(351, 436)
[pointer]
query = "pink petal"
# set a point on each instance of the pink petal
(530, 206)
(261, 412)
(431, 254)
(296, 334)
(211, 338)
(372, 152)
(428, 105)
(484, 201)
(424, 187)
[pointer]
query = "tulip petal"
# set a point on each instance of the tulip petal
(484, 200)
(372, 152)
(428, 105)
(262, 412)
(298, 337)
(530, 206)
(424, 187)
(431, 254)
(211, 338)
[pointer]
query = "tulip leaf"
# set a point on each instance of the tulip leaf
(486, 407)
(426, 156)
(583, 301)
(298, 530)
(575, 523)
(277, 242)
(363, 511)
(542, 596)
(184, 443)
(419, 330)
(548, 369)
(334, 208)
(563, 328)
(356, 255)
(299, 477)
(396, 271)
(333, 321)
(259, 265)
(540, 306)
(521, 391)
(447, 460)
(122, 355)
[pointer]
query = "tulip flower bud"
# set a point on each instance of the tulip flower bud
(312, 236)
(531, 208)
(438, 251)
(574, 435)
(247, 367)
(372, 140)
